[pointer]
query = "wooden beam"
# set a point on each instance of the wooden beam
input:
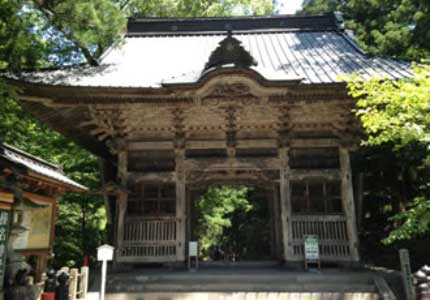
(180, 205)
(348, 202)
(300, 174)
(122, 197)
(285, 203)
(205, 144)
(257, 143)
(309, 143)
(151, 145)
(152, 176)
(232, 163)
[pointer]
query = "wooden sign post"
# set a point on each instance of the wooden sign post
(312, 253)
(193, 253)
(408, 281)
(104, 254)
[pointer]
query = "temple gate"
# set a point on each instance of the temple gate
(184, 103)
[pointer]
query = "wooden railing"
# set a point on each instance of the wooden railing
(332, 233)
(149, 239)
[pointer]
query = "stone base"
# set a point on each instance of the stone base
(23, 293)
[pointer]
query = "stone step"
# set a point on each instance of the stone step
(194, 286)
(364, 278)
(238, 296)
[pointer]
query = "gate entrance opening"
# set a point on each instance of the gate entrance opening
(234, 223)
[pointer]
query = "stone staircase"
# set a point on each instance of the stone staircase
(272, 284)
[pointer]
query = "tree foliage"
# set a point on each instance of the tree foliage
(81, 217)
(393, 27)
(397, 113)
(46, 33)
(234, 219)
(215, 209)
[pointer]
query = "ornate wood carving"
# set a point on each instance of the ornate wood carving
(237, 93)
(178, 122)
(108, 123)
(231, 130)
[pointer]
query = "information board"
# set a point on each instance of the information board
(38, 221)
(4, 234)
(192, 249)
(312, 252)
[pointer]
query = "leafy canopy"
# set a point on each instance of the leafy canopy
(398, 112)
(46, 33)
(390, 27)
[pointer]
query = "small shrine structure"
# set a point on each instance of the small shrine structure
(180, 104)
(28, 190)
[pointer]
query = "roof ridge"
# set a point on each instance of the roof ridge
(242, 17)
(224, 32)
(210, 24)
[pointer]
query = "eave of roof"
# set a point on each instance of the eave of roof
(38, 167)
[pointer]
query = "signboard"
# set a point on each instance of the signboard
(105, 253)
(192, 249)
(37, 217)
(408, 280)
(312, 252)
(4, 235)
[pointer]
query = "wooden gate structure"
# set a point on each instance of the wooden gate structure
(182, 103)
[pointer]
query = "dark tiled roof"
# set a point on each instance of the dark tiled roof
(312, 49)
(172, 26)
(37, 165)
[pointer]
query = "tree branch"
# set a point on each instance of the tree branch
(49, 15)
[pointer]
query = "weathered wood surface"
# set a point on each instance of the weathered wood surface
(149, 239)
(331, 231)
(348, 201)
(122, 197)
(285, 204)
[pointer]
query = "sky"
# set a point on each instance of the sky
(289, 6)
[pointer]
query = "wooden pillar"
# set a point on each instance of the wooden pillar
(276, 221)
(285, 203)
(122, 196)
(359, 199)
(348, 202)
(272, 231)
(180, 204)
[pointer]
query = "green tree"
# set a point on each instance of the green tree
(396, 113)
(393, 27)
(215, 209)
